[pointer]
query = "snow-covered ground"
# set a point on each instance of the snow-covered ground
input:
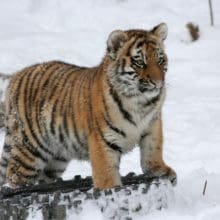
(76, 31)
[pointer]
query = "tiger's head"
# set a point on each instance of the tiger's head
(138, 61)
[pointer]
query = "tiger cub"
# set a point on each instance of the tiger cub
(56, 112)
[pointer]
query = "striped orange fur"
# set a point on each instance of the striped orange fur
(56, 112)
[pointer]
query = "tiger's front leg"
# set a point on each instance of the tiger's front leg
(152, 162)
(105, 163)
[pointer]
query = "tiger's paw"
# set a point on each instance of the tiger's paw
(163, 172)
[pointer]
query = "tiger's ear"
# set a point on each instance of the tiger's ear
(161, 31)
(115, 41)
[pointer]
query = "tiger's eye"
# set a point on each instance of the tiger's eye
(140, 63)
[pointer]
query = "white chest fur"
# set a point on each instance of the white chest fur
(142, 112)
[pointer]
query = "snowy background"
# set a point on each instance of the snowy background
(32, 31)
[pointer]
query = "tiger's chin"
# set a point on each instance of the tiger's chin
(153, 93)
(146, 93)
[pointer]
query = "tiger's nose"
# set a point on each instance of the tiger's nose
(157, 83)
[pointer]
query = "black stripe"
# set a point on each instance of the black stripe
(62, 109)
(74, 147)
(62, 159)
(27, 103)
(139, 44)
(114, 128)
(36, 81)
(76, 133)
(22, 151)
(144, 135)
(33, 150)
(23, 163)
(90, 107)
(77, 104)
(65, 112)
(68, 106)
(73, 103)
(81, 92)
(151, 42)
(127, 73)
(113, 146)
(52, 122)
(152, 101)
(16, 96)
(123, 65)
(4, 162)
(125, 114)
(105, 106)
(29, 91)
(65, 124)
(6, 148)
(108, 120)
(62, 138)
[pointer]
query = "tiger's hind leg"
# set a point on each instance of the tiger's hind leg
(23, 167)
(24, 162)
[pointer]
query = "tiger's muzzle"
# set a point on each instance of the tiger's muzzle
(150, 85)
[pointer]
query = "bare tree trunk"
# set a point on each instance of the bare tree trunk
(211, 13)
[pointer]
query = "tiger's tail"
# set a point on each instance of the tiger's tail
(4, 160)
(4, 80)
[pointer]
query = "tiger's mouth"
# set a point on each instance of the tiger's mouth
(146, 88)
(150, 87)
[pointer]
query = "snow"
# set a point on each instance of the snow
(76, 32)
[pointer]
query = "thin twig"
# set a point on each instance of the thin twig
(204, 188)
(211, 12)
